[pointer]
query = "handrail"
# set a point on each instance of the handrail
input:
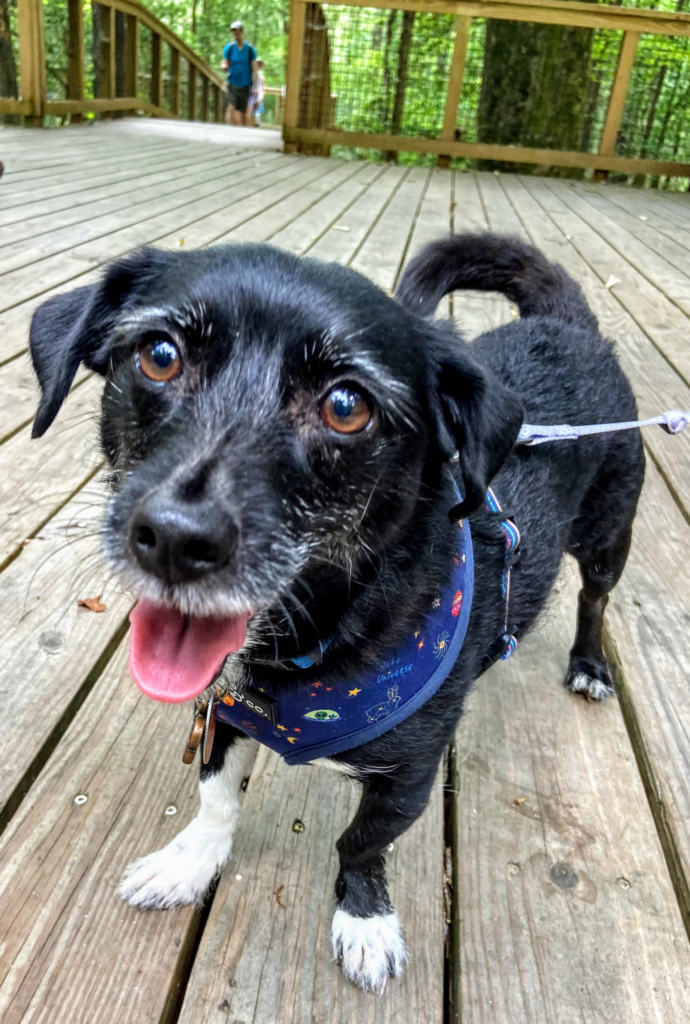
(298, 133)
(35, 105)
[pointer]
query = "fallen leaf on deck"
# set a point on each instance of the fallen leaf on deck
(520, 801)
(611, 281)
(181, 242)
(336, 227)
(94, 604)
(277, 896)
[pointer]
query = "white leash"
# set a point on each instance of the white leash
(672, 422)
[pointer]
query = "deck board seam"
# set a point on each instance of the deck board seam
(576, 247)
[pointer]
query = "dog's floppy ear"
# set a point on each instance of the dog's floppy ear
(60, 340)
(72, 328)
(478, 417)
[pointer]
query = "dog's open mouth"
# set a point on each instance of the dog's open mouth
(174, 657)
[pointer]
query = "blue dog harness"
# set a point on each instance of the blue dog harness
(307, 720)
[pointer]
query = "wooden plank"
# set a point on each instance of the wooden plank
(75, 51)
(156, 92)
(286, 212)
(260, 963)
(19, 391)
(565, 907)
(146, 171)
(612, 251)
(132, 56)
(343, 239)
(48, 639)
(165, 215)
(17, 241)
(483, 151)
(383, 250)
(204, 99)
(293, 69)
(501, 216)
(619, 92)
(648, 639)
(22, 182)
(211, 225)
(665, 264)
(199, 181)
(477, 312)
(217, 105)
(73, 950)
(31, 55)
(38, 477)
(18, 107)
(175, 83)
(191, 92)
(666, 220)
(433, 221)
(556, 12)
(656, 384)
(457, 71)
(305, 231)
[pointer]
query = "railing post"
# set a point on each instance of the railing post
(217, 104)
(619, 92)
(457, 71)
(156, 70)
(75, 54)
(191, 93)
(104, 47)
(32, 57)
(132, 56)
(175, 82)
(204, 99)
(293, 75)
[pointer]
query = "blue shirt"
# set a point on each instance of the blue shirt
(240, 61)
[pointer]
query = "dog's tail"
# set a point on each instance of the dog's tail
(493, 263)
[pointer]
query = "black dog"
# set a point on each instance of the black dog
(283, 439)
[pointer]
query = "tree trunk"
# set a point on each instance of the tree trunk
(534, 88)
(8, 70)
(401, 78)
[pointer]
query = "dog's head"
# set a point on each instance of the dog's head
(264, 417)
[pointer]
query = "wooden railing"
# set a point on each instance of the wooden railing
(204, 94)
(299, 133)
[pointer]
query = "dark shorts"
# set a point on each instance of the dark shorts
(238, 97)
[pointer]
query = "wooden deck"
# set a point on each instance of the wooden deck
(547, 883)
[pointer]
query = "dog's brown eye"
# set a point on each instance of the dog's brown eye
(160, 360)
(346, 411)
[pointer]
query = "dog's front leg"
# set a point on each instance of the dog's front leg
(366, 932)
(183, 870)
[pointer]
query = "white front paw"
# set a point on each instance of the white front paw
(181, 872)
(369, 949)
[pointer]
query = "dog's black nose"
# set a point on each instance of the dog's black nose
(181, 542)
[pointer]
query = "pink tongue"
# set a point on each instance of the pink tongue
(173, 657)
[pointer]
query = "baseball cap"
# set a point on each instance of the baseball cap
(236, 24)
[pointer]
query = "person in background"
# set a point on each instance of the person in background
(256, 96)
(239, 60)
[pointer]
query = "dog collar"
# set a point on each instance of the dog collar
(304, 721)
